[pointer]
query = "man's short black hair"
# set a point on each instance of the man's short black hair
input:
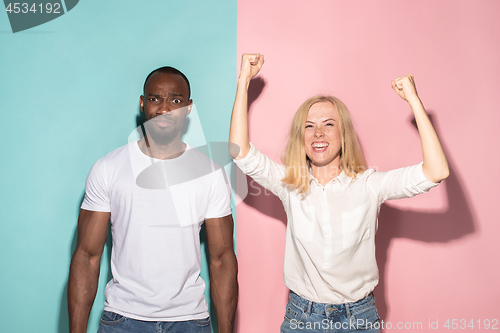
(168, 70)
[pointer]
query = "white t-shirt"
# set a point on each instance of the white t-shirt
(330, 236)
(157, 209)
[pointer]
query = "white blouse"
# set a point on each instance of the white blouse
(330, 236)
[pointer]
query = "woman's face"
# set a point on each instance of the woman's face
(322, 135)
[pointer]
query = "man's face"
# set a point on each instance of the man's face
(165, 105)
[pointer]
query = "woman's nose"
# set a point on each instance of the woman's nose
(319, 132)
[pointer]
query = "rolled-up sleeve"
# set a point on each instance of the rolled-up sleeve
(401, 183)
(263, 170)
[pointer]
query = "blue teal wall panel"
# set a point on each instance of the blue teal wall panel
(69, 95)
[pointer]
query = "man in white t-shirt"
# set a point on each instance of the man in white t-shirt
(156, 192)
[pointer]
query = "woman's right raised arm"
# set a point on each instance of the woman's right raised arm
(239, 143)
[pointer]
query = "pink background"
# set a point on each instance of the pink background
(437, 253)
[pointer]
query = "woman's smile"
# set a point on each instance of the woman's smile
(322, 135)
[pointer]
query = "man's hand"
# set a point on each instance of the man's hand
(250, 65)
(405, 87)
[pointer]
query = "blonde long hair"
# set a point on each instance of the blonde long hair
(352, 161)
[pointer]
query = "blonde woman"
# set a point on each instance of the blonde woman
(332, 202)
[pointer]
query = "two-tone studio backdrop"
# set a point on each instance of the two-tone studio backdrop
(70, 94)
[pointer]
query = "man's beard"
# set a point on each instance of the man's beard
(160, 136)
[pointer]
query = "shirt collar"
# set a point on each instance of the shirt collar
(342, 178)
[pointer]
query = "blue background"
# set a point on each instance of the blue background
(69, 95)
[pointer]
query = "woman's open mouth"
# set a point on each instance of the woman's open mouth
(319, 147)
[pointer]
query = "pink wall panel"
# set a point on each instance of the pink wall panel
(437, 253)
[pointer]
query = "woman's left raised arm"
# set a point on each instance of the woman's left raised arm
(435, 165)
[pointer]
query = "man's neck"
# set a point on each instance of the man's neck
(162, 151)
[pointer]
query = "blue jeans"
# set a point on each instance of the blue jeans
(305, 316)
(114, 323)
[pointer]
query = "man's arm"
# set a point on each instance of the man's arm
(84, 269)
(223, 270)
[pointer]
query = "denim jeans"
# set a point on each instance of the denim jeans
(114, 323)
(306, 316)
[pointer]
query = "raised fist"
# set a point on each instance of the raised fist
(251, 65)
(405, 87)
